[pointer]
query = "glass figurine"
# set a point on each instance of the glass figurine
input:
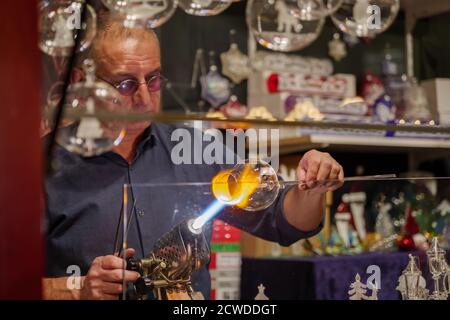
(58, 22)
(81, 131)
(365, 18)
(275, 26)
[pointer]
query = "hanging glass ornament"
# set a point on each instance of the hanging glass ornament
(204, 7)
(215, 88)
(315, 9)
(142, 13)
(365, 18)
(81, 131)
(235, 64)
(275, 26)
(336, 48)
(58, 22)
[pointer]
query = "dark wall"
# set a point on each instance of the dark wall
(432, 47)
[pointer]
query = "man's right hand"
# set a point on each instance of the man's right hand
(105, 277)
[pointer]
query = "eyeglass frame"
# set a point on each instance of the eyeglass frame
(163, 81)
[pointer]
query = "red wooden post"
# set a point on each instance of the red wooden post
(21, 245)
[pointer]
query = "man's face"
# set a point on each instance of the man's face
(118, 60)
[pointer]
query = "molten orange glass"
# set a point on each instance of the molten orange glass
(250, 186)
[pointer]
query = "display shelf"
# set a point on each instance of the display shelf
(439, 131)
(298, 136)
(364, 143)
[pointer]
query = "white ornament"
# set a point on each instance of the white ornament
(142, 13)
(336, 48)
(357, 202)
(383, 225)
(276, 26)
(261, 295)
(343, 226)
(411, 284)
(235, 64)
(358, 290)
(63, 35)
(286, 21)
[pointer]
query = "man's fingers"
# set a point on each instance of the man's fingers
(112, 262)
(324, 171)
(339, 184)
(334, 175)
(112, 288)
(128, 253)
(119, 274)
(107, 296)
(301, 176)
(341, 174)
(312, 170)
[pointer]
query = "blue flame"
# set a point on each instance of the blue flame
(210, 212)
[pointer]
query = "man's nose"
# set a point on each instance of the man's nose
(142, 96)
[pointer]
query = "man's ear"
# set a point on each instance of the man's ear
(77, 75)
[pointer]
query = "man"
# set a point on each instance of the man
(84, 196)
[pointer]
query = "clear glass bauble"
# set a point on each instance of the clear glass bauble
(315, 9)
(275, 27)
(142, 13)
(365, 18)
(252, 186)
(58, 23)
(204, 7)
(82, 130)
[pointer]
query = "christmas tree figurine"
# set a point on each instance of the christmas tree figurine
(261, 295)
(357, 289)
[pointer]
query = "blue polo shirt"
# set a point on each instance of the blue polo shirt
(84, 202)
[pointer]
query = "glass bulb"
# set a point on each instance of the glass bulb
(276, 27)
(58, 21)
(315, 9)
(204, 7)
(81, 131)
(251, 186)
(142, 13)
(365, 18)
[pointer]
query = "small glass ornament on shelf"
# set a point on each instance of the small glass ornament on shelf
(60, 23)
(384, 109)
(438, 269)
(142, 13)
(365, 18)
(358, 290)
(204, 7)
(81, 131)
(261, 294)
(215, 88)
(411, 283)
(416, 103)
(315, 9)
(276, 27)
(383, 225)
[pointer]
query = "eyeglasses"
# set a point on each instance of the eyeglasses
(129, 87)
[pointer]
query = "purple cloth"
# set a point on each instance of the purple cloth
(323, 277)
